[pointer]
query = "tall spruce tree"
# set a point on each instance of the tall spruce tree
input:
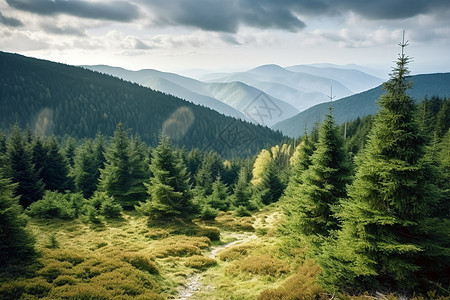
(323, 183)
(123, 175)
(55, 171)
(17, 244)
(169, 188)
(20, 169)
(389, 235)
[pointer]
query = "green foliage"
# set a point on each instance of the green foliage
(323, 184)
(20, 168)
(125, 172)
(55, 170)
(389, 235)
(110, 209)
(57, 205)
(169, 188)
(17, 244)
(88, 162)
(241, 192)
(219, 197)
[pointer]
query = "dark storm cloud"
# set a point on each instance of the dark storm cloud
(107, 10)
(11, 22)
(227, 16)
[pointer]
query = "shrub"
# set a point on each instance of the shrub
(64, 279)
(242, 211)
(200, 262)
(53, 269)
(208, 213)
(55, 205)
(302, 285)
(183, 246)
(110, 208)
(262, 265)
(234, 253)
(141, 262)
(213, 233)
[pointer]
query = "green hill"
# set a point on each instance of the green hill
(59, 99)
(363, 104)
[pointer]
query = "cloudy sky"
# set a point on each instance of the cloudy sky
(172, 35)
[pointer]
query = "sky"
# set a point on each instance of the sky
(228, 35)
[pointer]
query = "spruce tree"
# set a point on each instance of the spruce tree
(219, 196)
(17, 244)
(323, 183)
(299, 163)
(55, 171)
(169, 188)
(123, 175)
(241, 192)
(20, 169)
(389, 235)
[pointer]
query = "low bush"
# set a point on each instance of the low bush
(54, 269)
(65, 279)
(200, 262)
(302, 285)
(141, 262)
(213, 233)
(111, 209)
(233, 253)
(261, 265)
(56, 205)
(183, 246)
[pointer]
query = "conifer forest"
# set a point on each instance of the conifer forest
(106, 205)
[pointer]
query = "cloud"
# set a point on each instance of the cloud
(108, 10)
(389, 9)
(224, 16)
(63, 30)
(11, 22)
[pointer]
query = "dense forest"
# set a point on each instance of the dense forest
(58, 99)
(363, 208)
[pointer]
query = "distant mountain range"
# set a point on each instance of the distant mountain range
(362, 104)
(59, 99)
(265, 95)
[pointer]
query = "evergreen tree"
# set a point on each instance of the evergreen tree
(17, 245)
(20, 168)
(69, 151)
(323, 183)
(55, 171)
(241, 192)
(124, 173)
(85, 172)
(389, 235)
(219, 196)
(270, 188)
(169, 188)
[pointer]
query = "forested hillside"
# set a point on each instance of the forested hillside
(59, 99)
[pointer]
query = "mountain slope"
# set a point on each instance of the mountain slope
(300, 86)
(180, 86)
(363, 104)
(59, 99)
(235, 97)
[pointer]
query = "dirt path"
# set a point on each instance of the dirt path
(194, 282)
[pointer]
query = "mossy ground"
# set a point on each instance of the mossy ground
(133, 258)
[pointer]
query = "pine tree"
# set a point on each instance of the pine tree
(241, 192)
(388, 234)
(323, 183)
(299, 163)
(169, 188)
(55, 171)
(17, 245)
(124, 174)
(219, 196)
(20, 168)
